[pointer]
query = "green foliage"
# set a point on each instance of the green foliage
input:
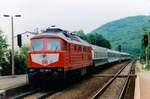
(2, 41)
(98, 39)
(6, 64)
(126, 32)
(145, 48)
(19, 59)
(3, 47)
(82, 35)
(20, 63)
(143, 55)
(95, 39)
(5, 58)
(24, 53)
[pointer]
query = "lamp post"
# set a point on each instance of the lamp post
(12, 30)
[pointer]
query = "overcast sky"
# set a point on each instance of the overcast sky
(68, 14)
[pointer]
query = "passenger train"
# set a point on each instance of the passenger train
(59, 54)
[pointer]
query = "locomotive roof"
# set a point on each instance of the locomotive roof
(71, 38)
(94, 47)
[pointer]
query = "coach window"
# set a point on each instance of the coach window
(53, 45)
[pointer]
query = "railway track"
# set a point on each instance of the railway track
(25, 94)
(90, 86)
(124, 72)
(87, 87)
(36, 94)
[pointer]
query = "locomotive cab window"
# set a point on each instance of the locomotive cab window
(53, 45)
(64, 46)
(37, 45)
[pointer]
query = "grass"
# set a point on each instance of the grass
(147, 67)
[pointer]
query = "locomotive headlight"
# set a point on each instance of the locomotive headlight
(31, 70)
(41, 70)
(59, 69)
(46, 70)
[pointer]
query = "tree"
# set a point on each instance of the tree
(81, 34)
(24, 54)
(143, 55)
(3, 47)
(20, 63)
(3, 52)
(95, 39)
(98, 40)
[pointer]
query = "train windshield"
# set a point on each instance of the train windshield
(53, 45)
(37, 45)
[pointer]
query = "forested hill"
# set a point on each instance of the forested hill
(126, 32)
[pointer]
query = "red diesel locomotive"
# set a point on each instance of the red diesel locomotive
(58, 54)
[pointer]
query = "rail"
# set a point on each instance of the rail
(100, 91)
(42, 95)
(122, 94)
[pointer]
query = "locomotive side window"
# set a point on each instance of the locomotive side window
(68, 47)
(53, 45)
(84, 49)
(64, 46)
(37, 45)
(79, 48)
(75, 47)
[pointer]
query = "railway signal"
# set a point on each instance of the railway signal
(119, 48)
(145, 40)
(19, 40)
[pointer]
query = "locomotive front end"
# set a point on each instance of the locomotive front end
(46, 59)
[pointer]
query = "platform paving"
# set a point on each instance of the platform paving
(142, 86)
(7, 82)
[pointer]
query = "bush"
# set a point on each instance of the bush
(20, 61)
(5, 63)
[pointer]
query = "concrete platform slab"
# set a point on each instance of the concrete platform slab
(137, 88)
(2, 94)
(8, 82)
(145, 85)
(142, 85)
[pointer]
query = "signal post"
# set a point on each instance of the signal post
(146, 39)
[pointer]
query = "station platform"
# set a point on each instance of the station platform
(142, 85)
(8, 83)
